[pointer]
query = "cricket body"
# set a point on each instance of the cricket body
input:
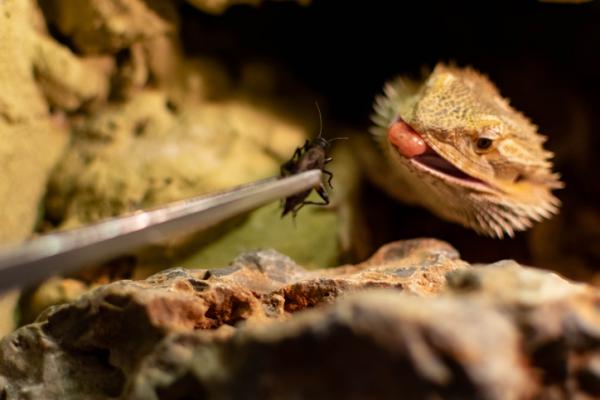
(454, 145)
(313, 155)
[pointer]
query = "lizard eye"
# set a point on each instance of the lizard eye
(484, 143)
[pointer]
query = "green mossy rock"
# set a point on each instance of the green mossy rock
(311, 240)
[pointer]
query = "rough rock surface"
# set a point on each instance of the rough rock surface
(142, 153)
(100, 26)
(173, 126)
(148, 124)
(40, 80)
(35, 72)
(219, 6)
(414, 321)
(176, 126)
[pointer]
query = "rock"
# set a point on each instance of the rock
(312, 239)
(101, 26)
(219, 6)
(414, 320)
(173, 127)
(51, 292)
(8, 303)
(145, 152)
(35, 72)
(116, 326)
(376, 344)
(142, 40)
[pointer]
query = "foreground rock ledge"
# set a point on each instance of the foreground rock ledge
(414, 321)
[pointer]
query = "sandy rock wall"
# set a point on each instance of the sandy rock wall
(219, 6)
(35, 73)
(144, 151)
(102, 113)
(173, 126)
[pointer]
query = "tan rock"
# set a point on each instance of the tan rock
(144, 153)
(141, 40)
(51, 292)
(35, 71)
(412, 321)
(376, 344)
(8, 303)
(219, 6)
(101, 26)
(128, 318)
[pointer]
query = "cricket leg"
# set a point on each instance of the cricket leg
(298, 151)
(330, 175)
(322, 194)
(286, 167)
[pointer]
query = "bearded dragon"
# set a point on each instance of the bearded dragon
(453, 144)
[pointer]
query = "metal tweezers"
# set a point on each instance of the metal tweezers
(60, 252)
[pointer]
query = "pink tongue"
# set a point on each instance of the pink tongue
(406, 140)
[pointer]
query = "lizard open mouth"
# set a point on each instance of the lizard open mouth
(411, 145)
(434, 161)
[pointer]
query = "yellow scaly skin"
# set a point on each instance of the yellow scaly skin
(509, 184)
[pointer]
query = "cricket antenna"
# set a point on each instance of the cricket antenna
(320, 119)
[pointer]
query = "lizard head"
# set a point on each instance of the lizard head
(470, 157)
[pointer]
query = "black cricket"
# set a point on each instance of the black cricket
(312, 155)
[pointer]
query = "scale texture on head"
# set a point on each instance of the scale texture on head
(453, 144)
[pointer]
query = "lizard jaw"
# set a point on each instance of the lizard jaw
(483, 207)
(410, 145)
(491, 207)
(434, 164)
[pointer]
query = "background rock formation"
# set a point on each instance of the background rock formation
(133, 122)
(177, 126)
(35, 73)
